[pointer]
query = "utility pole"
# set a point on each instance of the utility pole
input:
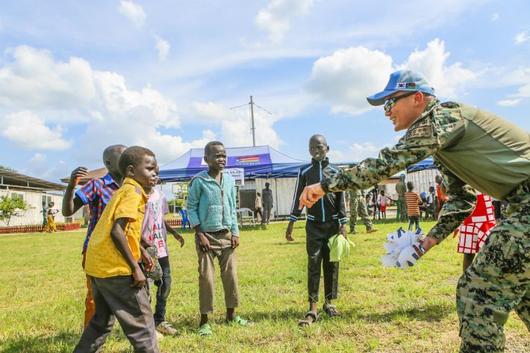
(252, 123)
(252, 127)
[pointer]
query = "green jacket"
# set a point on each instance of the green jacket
(471, 147)
(213, 205)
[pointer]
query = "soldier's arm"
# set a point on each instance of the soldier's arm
(462, 199)
(409, 150)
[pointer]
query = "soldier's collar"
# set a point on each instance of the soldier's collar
(428, 110)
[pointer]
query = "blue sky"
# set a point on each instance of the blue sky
(78, 76)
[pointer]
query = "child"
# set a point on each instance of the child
(212, 212)
(154, 232)
(44, 216)
(413, 202)
(112, 260)
(96, 193)
(383, 201)
(475, 229)
(51, 227)
(258, 206)
(323, 221)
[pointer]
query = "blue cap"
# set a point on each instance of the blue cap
(402, 80)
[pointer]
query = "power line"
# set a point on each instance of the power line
(252, 125)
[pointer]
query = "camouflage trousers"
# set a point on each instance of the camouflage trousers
(358, 207)
(498, 280)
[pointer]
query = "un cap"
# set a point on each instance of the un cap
(402, 80)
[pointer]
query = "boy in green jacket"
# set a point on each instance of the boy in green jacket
(212, 212)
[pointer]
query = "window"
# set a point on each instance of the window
(17, 196)
(46, 199)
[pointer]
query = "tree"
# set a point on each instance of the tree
(10, 207)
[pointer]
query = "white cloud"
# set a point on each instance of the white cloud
(447, 80)
(521, 37)
(134, 12)
(519, 77)
(348, 76)
(509, 102)
(494, 17)
(355, 152)
(163, 47)
(276, 17)
(35, 80)
(101, 103)
(236, 126)
(30, 131)
(39, 166)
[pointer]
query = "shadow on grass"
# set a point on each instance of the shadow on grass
(429, 313)
(61, 342)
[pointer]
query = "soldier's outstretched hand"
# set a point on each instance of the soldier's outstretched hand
(310, 195)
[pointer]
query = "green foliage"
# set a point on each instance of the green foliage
(10, 207)
(42, 295)
(7, 168)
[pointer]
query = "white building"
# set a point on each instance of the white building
(34, 192)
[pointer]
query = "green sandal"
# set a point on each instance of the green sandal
(238, 320)
(205, 330)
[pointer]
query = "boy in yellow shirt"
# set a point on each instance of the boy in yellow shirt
(112, 260)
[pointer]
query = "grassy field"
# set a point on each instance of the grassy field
(384, 310)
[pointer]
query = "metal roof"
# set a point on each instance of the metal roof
(92, 174)
(13, 179)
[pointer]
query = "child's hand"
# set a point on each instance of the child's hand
(77, 174)
(235, 242)
(342, 231)
(204, 243)
(179, 238)
(139, 279)
(147, 261)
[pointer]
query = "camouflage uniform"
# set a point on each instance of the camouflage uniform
(358, 206)
(473, 149)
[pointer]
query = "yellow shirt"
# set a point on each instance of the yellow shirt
(102, 257)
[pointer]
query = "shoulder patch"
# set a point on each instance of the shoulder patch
(450, 105)
(137, 190)
(421, 129)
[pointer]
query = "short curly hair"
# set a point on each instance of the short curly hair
(133, 155)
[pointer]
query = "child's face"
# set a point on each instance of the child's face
(216, 158)
(145, 173)
(318, 148)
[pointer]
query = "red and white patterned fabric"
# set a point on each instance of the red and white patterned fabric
(477, 226)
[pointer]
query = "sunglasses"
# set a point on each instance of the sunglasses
(391, 102)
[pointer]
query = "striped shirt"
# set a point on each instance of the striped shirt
(413, 203)
(96, 194)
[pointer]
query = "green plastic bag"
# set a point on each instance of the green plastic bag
(339, 247)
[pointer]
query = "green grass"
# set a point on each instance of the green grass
(384, 310)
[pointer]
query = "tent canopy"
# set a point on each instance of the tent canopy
(257, 162)
(427, 163)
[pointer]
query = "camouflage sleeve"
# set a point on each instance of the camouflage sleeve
(416, 145)
(462, 199)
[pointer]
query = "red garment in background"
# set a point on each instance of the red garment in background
(476, 227)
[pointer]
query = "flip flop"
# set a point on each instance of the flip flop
(331, 310)
(306, 321)
(239, 321)
(205, 330)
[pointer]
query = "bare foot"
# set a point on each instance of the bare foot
(289, 237)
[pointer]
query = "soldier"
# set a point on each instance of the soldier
(268, 204)
(358, 207)
(463, 140)
(401, 189)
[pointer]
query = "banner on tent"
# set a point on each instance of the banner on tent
(238, 174)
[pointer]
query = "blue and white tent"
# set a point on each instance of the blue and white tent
(427, 163)
(257, 162)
